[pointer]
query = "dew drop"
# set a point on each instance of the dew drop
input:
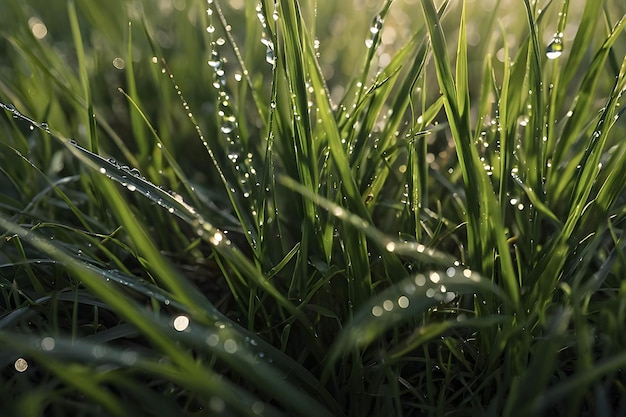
(403, 301)
(48, 343)
(435, 277)
(258, 407)
(217, 404)
(212, 340)
(181, 323)
(230, 346)
(129, 357)
(420, 280)
(555, 48)
(21, 365)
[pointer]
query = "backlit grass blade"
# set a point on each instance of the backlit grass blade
(534, 145)
(580, 45)
(406, 301)
(207, 316)
(593, 152)
(483, 219)
(139, 133)
(412, 250)
(93, 384)
(84, 76)
(577, 120)
(134, 181)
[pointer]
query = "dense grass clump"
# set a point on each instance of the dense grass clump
(312, 208)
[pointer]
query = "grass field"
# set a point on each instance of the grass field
(312, 208)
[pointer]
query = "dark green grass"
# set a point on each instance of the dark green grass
(303, 208)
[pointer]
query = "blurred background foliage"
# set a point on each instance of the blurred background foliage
(178, 28)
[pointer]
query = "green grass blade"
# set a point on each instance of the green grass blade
(407, 300)
(484, 225)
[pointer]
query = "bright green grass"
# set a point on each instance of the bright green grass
(312, 208)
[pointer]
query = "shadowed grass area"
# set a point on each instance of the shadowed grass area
(309, 208)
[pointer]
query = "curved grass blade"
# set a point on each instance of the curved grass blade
(406, 301)
(411, 250)
(54, 354)
(215, 333)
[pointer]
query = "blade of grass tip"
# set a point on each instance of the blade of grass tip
(375, 101)
(590, 161)
(259, 104)
(551, 265)
(483, 211)
(84, 76)
(506, 147)
(32, 277)
(534, 148)
(372, 44)
(329, 124)
(269, 179)
(553, 51)
(613, 55)
(295, 65)
(580, 46)
(462, 71)
(459, 125)
(579, 111)
(139, 133)
(178, 171)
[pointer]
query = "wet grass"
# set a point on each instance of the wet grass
(292, 208)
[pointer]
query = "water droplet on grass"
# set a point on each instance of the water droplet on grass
(230, 346)
(377, 311)
(555, 48)
(21, 365)
(181, 323)
(403, 301)
(48, 343)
